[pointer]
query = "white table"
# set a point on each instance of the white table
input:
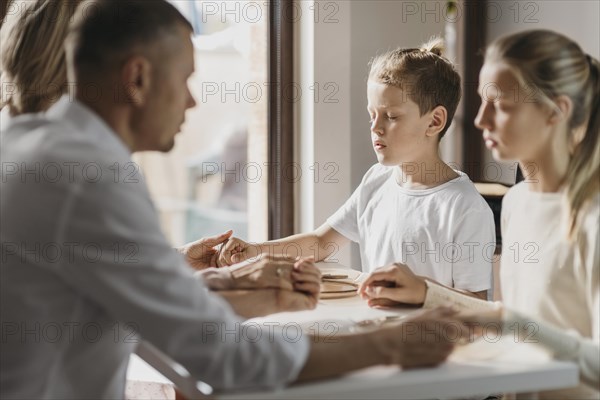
(478, 369)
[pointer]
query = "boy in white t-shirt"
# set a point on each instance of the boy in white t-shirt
(412, 214)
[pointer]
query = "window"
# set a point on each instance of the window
(228, 168)
(217, 170)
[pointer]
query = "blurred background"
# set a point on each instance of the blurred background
(201, 187)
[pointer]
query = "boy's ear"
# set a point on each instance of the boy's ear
(136, 75)
(439, 116)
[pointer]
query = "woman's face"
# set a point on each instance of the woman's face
(515, 126)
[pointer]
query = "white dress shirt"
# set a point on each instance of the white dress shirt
(86, 272)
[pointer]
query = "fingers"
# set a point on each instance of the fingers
(305, 277)
(281, 272)
(229, 248)
(277, 274)
(382, 292)
(216, 240)
(308, 287)
(305, 262)
(382, 303)
(429, 337)
(404, 295)
(479, 322)
(237, 258)
(278, 258)
(214, 258)
(382, 275)
(237, 251)
(426, 355)
(203, 261)
(440, 324)
(302, 276)
(419, 344)
(225, 252)
(306, 266)
(294, 301)
(395, 282)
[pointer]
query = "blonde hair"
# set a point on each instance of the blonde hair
(32, 54)
(552, 65)
(428, 78)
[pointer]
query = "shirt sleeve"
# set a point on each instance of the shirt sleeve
(567, 346)
(345, 219)
(131, 272)
(475, 238)
(563, 345)
(439, 295)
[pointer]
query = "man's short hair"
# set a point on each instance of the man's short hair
(105, 32)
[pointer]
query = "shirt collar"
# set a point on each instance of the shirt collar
(7, 120)
(83, 119)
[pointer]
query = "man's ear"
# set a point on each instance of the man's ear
(563, 111)
(136, 76)
(439, 116)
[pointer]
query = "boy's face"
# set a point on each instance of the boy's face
(398, 131)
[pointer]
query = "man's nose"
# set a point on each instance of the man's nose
(191, 101)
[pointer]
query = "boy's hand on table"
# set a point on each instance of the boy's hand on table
(393, 285)
(235, 251)
(203, 253)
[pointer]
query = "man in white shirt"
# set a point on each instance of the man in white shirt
(85, 267)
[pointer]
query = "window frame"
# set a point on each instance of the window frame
(280, 119)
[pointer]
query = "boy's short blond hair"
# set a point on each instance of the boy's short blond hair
(427, 78)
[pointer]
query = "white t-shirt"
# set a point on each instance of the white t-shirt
(550, 285)
(548, 278)
(445, 233)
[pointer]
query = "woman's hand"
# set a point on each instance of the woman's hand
(393, 285)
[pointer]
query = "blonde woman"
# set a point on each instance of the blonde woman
(541, 106)
(546, 116)
(34, 74)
